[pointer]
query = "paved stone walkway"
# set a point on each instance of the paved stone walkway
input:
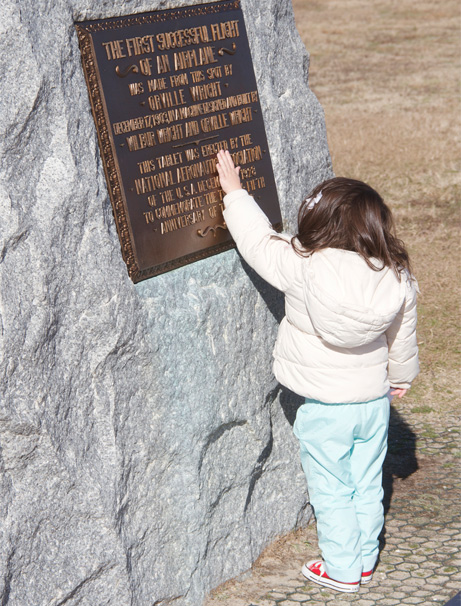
(420, 562)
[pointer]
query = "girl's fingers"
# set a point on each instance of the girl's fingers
(226, 162)
(228, 159)
(398, 392)
(225, 159)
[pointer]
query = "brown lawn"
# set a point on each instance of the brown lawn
(388, 77)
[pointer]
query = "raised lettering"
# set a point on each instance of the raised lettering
(136, 88)
(211, 149)
(166, 196)
(156, 84)
(214, 123)
(170, 160)
(192, 154)
(141, 141)
(213, 197)
(183, 37)
(192, 128)
(147, 166)
(253, 184)
(213, 211)
(140, 46)
(145, 65)
(190, 58)
(245, 139)
(248, 155)
(170, 133)
(214, 72)
(128, 126)
(179, 80)
(180, 222)
(163, 64)
(228, 29)
(165, 100)
(202, 92)
(247, 173)
(114, 49)
(149, 216)
(145, 185)
(241, 115)
(195, 171)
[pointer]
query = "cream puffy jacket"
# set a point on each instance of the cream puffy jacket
(349, 332)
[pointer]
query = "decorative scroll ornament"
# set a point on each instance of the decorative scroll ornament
(209, 229)
(128, 70)
(196, 142)
(229, 51)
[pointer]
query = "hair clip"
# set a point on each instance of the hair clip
(313, 201)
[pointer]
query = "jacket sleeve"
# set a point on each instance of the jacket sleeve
(401, 339)
(272, 258)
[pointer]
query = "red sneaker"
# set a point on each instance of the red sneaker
(366, 577)
(315, 571)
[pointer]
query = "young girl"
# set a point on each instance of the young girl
(347, 337)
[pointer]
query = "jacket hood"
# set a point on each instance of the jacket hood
(348, 303)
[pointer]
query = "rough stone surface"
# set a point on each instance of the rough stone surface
(146, 449)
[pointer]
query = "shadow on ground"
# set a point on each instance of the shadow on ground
(401, 461)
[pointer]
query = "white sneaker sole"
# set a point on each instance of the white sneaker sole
(330, 583)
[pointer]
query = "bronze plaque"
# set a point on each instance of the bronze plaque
(168, 89)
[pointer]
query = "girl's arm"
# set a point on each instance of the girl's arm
(273, 258)
(403, 348)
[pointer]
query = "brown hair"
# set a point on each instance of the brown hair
(350, 215)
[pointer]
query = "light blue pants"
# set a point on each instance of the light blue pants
(342, 453)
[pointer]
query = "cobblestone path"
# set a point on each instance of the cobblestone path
(420, 561)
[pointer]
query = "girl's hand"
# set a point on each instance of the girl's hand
(228, 173)
(398, 392)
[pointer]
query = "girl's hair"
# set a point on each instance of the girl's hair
(350, 215)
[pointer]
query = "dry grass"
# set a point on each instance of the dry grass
(388, 77)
